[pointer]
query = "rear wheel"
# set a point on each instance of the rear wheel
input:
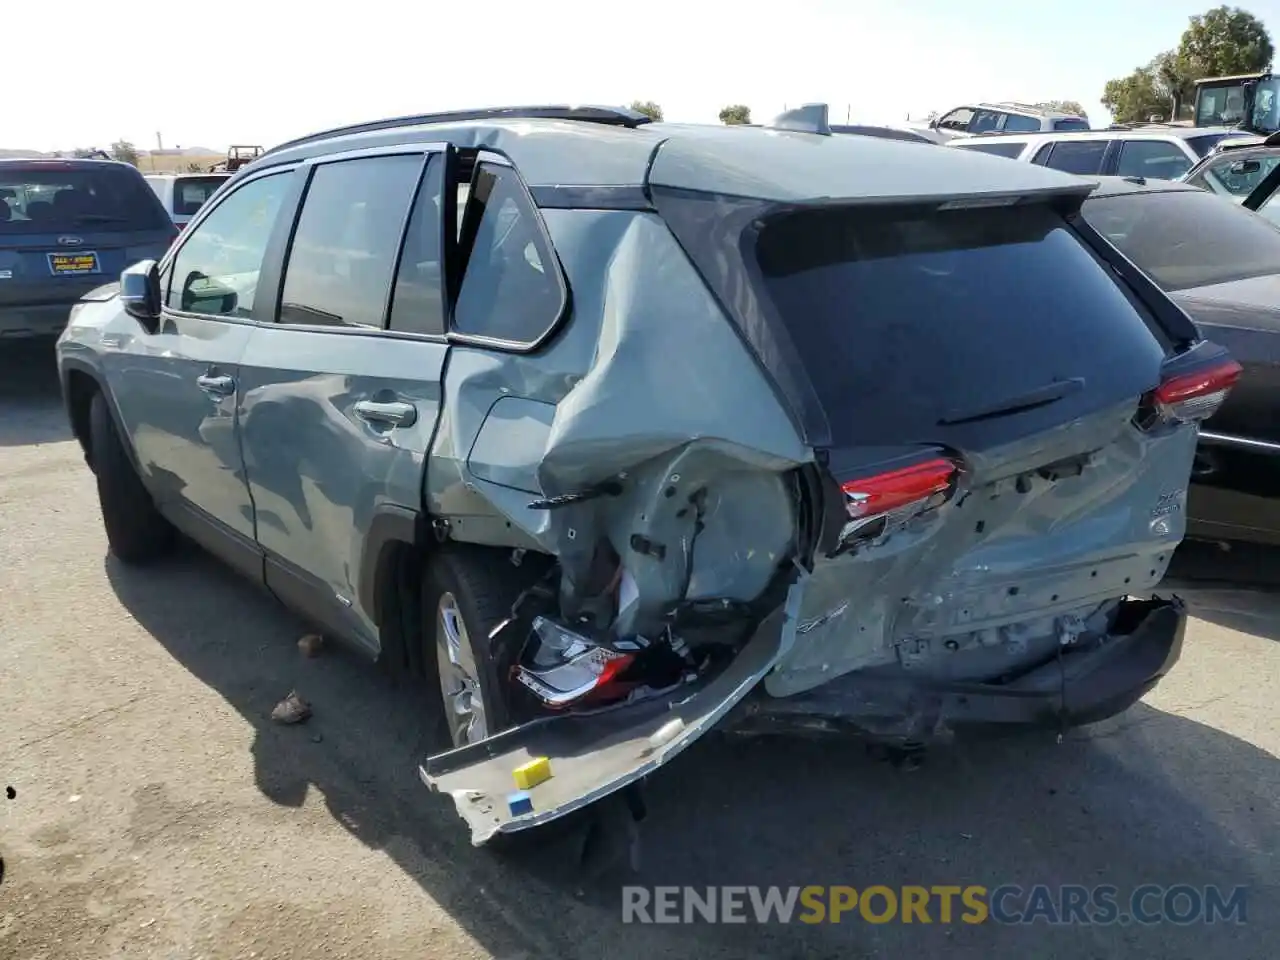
(469, 590)
(136, 532)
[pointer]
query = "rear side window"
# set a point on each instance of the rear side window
(1011, 150)
(1158, 159)
(1042, 155)
(1015, 123)
(913, 325)
(1187, 238)
(216, 269)
(1077, 156)
(511, 288)
(54, 197)
(190, 193)
(417, 302)
(339, 268)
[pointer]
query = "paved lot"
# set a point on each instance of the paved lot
(159, 813)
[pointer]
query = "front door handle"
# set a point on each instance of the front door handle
(397, 413)
(216, 385)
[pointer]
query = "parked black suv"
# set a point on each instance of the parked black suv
(67, 226)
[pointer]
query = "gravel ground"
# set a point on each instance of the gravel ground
(157, 812)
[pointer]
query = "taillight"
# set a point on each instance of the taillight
(881, 501)
(1195, 396)
(895, 489)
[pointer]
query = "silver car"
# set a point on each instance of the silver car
(617, 430)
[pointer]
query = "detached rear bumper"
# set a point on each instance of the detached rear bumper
(1084, 686)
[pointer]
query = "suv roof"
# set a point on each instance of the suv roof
(1027, 109)
(598, 147)
(1135, 132)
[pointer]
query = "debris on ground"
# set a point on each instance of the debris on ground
(292, 709)
(311, 644)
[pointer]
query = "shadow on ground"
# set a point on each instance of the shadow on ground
(1237, 588)
(30, 407)
(1147, 798)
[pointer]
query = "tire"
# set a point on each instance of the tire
(481, 584)
(136, 532)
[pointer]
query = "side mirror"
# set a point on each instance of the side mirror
(933, 124)
(140, 294)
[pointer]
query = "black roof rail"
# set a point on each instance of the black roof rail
(588, 113)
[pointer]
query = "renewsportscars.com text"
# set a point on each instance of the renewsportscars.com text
(1064, 904)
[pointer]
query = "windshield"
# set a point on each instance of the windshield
(190, 193)
(46, 197)
(1204, 143)
(1220, 106)
(1187, 238)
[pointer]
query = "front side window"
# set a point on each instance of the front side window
(985, 121)
(1187, 238)
(1157, 159)
(216, 270)
(1077, 156)
(339, 268)
(511, 289)
(956, 120)
(417, 301)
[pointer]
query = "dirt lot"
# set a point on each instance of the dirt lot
(159, 813)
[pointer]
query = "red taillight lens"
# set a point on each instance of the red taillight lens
(1195, 396)
(886, 492)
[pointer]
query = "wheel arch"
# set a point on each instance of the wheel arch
(80, 382)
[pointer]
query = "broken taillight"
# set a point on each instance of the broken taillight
(1195, 396)
(563, 667)
(882, 501)
(886, 492)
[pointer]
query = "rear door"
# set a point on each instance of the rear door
(67, 226)
(339, 394)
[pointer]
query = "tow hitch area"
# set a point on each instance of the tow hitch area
(551, 766)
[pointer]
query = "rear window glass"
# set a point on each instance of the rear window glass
(51, 198)
(190, 193)
(930, 318)
(1202, 145)
(1187, 238)
(1071, 123)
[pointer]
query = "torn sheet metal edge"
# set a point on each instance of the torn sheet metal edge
(452, 772)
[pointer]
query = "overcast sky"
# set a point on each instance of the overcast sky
(209, 74)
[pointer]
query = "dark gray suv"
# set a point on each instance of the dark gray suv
(67, 226)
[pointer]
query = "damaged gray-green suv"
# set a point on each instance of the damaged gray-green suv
(616, 431)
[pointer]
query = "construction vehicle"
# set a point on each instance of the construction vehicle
(237, 156)
(1248, 101)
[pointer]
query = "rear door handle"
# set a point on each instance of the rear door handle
(397, 413)
(216, 385)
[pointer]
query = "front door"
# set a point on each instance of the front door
(339, 397)
(177, 388)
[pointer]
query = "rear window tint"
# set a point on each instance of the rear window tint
(910, 322)
(1077, 156)
(1187, 238)
(190, 193)
(53, 198)
(1071, 123)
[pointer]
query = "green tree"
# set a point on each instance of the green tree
(1137, 97)
(125, 152)
(1223, 41)
(648, 108)
(1063, 106)
(735, 113)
